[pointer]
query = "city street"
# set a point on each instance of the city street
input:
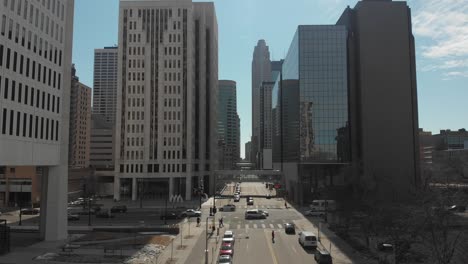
(253, 237)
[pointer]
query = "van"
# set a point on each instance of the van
(254, 214)
(307, 239)
(323, 205)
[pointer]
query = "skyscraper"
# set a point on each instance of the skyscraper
(261, 71)
(228, 119)
(80, 123)
(167, 96)
(265, 125)
(105, 82)
(383, 96)
(310, 107)
(35, 66)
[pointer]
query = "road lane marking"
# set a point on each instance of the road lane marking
(279, 226)
(273, 256)
(246, 226)
(238, 226)
(272, 226)
(255, 225)
(263, 226)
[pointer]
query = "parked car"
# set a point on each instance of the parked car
(322, 257)
(29, 211)
(191, 213)
(314, 213)
(105, 214)
(170, 215)
(457, 208)
(236, 198)
(307, 239)
(290, 228)
(225, 259)
(250, 201)
(228, 208)
(73, 217)
(119, 209)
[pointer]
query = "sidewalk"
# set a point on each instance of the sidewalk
(178, 250)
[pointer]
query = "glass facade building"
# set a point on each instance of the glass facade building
(310, 109)
(314, 94)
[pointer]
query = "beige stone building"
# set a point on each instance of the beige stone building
(80, 123)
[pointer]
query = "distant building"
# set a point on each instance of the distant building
(248, 151)
(20, 186)
(426, 146)
(105, 82)
(261, 72)
(448, 139)
(265, 125)
(80, 123)
(102, 154)
(228, 126)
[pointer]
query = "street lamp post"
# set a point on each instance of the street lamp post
(20, 204)
(140, 193)
(165, 211)
(206, 239)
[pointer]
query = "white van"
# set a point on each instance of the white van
(254, 214)
(307, 239)
(323, 205)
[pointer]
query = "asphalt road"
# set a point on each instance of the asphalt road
(253, 237)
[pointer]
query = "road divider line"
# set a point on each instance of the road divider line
(273, 256)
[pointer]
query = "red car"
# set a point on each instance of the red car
(226, 249)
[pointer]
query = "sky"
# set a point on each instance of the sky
(440, 29)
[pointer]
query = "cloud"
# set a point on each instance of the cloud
(442, 29)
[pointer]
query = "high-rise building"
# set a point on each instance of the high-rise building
(261, 71)
(265, 125)
(80, 123)
(228, 120)
(105, 82)
(276, 67)
(35, 65)
(167, 94)
(248, 151)
(383, 97)
(310, 111)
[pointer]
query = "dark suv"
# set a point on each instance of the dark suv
(322, 257)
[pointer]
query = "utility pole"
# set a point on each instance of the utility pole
(20, 204)
(140, 193)
(165, 211)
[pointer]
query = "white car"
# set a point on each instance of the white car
(228, 208)
(314, 213)
(264, 212)
(191, 213)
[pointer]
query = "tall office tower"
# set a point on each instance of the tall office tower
(384, 110)
(261, 71)
(167, 95)
(310, 108)
(105, 82)
(228, 119)
(276, 67)
(248, 151)
(265, 125)
(80, 123)
(35, 65)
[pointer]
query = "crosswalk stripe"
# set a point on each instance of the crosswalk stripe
(246, 226)
(279, 226)
(263, 226)
(238, 226)
(272, 226)
(255, 226)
